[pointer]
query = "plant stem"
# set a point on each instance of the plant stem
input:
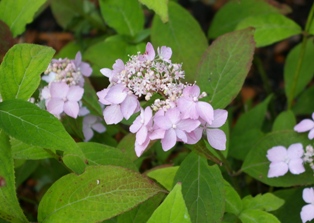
(296, 75)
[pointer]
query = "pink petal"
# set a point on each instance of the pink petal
(71, 108)
(205, 111)
(118, 66)
(304, 126)
(78, 59)
(107, 72)
(169, 140)
(45, 93)
(220, 117)
(150, 52)
(75, 93)
(296, 166)
(136, 125)
(307, 213)
(88, 133)
(295, 151)
(188, 108)
(191, 91)
(311, 134)
(55, 106)
(89, 120)
(98, 127)
(277, 169)
(181, 135)
(216, 138)
(188, 125)
(59, 89)
(308, 195)
(129, 106)
(141, 135)
(112, 114)
(139, 149)
(163, 122)
(116, 94)
(49, 78)
(102, 95)
(276, 154)
(148, 113)
(86, 69)
(157, 134)
(174, 115)
(194, 136)
(165, 53)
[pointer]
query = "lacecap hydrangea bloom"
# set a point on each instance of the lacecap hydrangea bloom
(177, 112)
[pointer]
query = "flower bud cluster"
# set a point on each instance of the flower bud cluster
(176, 115)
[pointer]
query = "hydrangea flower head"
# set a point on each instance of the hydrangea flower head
(307, 212)
(306, 125)
(283, 159)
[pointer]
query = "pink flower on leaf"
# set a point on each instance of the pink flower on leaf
(307, 212)
(306, 125)
(283, 159)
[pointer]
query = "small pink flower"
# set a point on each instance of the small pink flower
(64, 99)
(306, 125)
(307, 212)
(164, 53)
(118, 67)
(90, 123)
(84, 67)
(283, 159)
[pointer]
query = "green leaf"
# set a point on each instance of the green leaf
(294, 86)
(284, 121)
(225, 65)
(202, 189)
(270, 28)
(90, 99)
(126, 145)
(160, 7)
(21, 68)
(232, 13)
(126, 17)
(233, 200)
(304, 104)
(100, 193)
(257, 216)
(21, 150)
(185, 37)
(247, 130)
(256, 163)
(9, 206)
(24, 171)
(266, 202)
(164, 176)
(16, 14)
(99, 154)
(142, 212)
(173, 208)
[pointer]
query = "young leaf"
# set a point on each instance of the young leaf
(16, 14)
(256, 163)
(232, 13)
(225, 65)
(265, 202)
(100, 193)
(304, 104)
(284, 121)
(172, 209)
(294, 85)
(257, 216)
(126, 17)
(164, 176)
(202, 189)
(160, 7)
(21, 68)
(233, 200)
(185, 37)
(270, 28)
(9, 206)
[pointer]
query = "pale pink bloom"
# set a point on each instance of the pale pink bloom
(92, 123)
(175, 128)
(164, 53)
(64, 99)
(192, 108)
(83, 67)
(118, 67)
(149, 52)
(283, 160)
(306, 125)
(307, 212)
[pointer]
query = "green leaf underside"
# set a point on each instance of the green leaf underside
(126, 17)
(270, 28)
(256, 163)
(21, 68)
(104, 191)
(160, 7)
(202, 189)
(9, 206)
(16, 14)
(225, 65)
(185, 37)
(172, 209)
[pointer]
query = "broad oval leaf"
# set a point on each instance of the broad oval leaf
(160, 7)
(100, 193)
(21, 68)
(284, 121)
(126, 17)
(270, 28)
(9, 206)
(16, 14)
(256, 163)
(225, 65)
(185, 37)
(172, 209)
(202, 189)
